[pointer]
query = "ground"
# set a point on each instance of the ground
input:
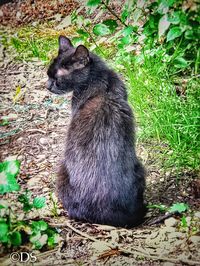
(35, 135)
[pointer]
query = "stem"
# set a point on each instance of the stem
(117, 17)
(114, 14)
(93, 39)
(196, 67)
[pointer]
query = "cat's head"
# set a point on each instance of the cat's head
(70, 69)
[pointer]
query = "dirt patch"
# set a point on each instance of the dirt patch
(21, 12)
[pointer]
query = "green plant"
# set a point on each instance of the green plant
(8, 172)
(165, 114)
(172, 26)
(176, 207)
(13, 231)
(54, 209)
(25, 199)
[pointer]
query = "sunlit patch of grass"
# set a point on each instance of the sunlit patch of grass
(164, 115)
(41, 42)
(31, 43)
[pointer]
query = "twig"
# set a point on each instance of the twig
(161, 218)
(113, 13)
(35, 130)
(136, 252)
(117, 17)
(93, 40)
(143, 252)
(75, 230)
(17, 72)
(47, 252)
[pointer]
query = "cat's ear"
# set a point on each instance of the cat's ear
(81, 54)
(64, 44)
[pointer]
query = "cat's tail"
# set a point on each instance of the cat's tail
(62, 184)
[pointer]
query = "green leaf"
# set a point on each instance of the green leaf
(83, 33)
(124, 15)
(4, 204)
(189, 35)
(174, 17)
(101, 30)
(39, 240)
(178, 17)
(39, 202)
(111, 24)
(93, 2)
(38, 226)
(3, 232)
(10, 167)
(52, 240)
(161, 207)
(184, 221)
(174, 33)
(164, 5)
(77, 40)
(25, 200)
(179, 207)
(127, 30)
(163, 25)
(125, 40)
(180, 62)
(4, 122)
(16, 239)
(8, 171)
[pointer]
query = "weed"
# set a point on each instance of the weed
(13, 231)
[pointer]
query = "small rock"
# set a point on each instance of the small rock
(20, 139)
(43, 141)
(167, 174)
(33, 182)
(178, 235)
(188, 220)
(46, 189)
(41, 157)
(34, 23)
(99, 246)
(195, 240)
(168, 264)
(18, 15)
(169, 229)
(10, 117)
(197, 214)
(105, 227)
(171, 222)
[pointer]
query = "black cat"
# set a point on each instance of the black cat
(100, 179)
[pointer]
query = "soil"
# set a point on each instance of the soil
(20, 12)
(35, 134)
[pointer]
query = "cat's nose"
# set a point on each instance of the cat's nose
(49, 83)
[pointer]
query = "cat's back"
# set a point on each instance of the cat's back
(101, 116)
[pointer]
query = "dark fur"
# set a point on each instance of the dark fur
(100, 179)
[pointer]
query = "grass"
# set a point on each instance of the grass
(163, 114)
(34, 43)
